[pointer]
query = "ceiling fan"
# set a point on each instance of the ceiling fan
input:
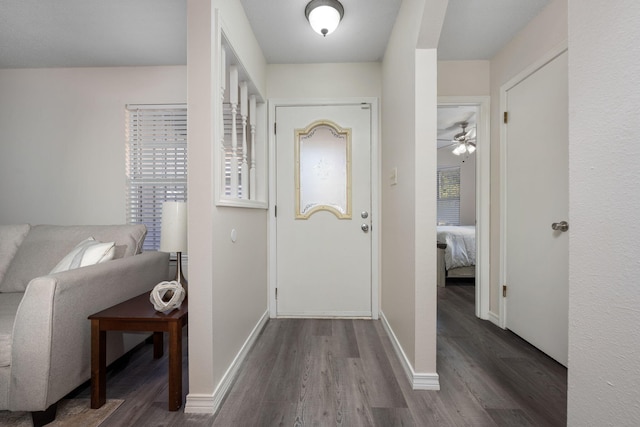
(464, 141)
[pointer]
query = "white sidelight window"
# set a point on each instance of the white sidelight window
(156, 164)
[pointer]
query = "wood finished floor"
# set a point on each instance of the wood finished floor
(345, 373)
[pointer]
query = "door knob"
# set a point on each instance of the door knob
(365, 228)
(560, 226)
(364, 214)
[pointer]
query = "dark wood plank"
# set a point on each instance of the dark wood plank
(344, 339)
(510, 417)
(351, 393)
(284, 383)
(384, 391)
(253, 384)
(392, 417)
(453, 405)
(315, 400)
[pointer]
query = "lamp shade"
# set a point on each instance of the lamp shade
(173, 233)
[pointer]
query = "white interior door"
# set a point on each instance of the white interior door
(323, 180)
(537, 196)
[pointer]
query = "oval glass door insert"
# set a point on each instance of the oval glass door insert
(323, 170)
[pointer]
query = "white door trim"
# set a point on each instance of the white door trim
(483, 195)
(375, 196)
(544, 60)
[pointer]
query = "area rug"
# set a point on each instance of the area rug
(71, 413)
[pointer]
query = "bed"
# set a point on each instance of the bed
(456, 252)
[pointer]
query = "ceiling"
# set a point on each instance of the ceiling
(82, 33)
(478, 29)
(286, 37)
(92, 33)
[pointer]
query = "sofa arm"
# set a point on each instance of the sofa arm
(51, 351)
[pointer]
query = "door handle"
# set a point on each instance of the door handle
(365, 228)
(560, 226)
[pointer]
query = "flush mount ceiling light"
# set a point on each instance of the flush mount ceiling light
(324, 15)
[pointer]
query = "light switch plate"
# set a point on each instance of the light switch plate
(393, 177)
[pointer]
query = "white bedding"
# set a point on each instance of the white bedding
(461, 245)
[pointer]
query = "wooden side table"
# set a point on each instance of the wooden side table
(138, 314)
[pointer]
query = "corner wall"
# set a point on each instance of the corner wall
(604, 200)
(227, 280)
(409, 128)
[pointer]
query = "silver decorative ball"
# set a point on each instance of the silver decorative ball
(161, 289)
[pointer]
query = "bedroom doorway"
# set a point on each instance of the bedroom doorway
(463, 194)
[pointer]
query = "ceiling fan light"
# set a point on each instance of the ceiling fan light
(471, 148)
(459, 150)
(324, 15)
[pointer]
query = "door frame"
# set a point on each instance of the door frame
(527, 72)
(483, 194)
(375, 192)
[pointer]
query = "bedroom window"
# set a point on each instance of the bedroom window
(448, 182)
(156, 164)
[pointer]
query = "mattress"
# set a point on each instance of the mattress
(461, 245)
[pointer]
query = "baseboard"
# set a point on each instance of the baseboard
(325, 315)
(418, 381)
(209, 404)
(494, 318)
(200, 404)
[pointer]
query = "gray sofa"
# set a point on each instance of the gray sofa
(45, 345)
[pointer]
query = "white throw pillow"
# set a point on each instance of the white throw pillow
(87, 252)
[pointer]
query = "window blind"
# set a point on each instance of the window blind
(448, 196)
(156, 164)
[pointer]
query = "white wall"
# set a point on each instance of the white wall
(545, 32)
(317, 81)
(464, 78)
(62, 139)
(604, 319)
(227, 281)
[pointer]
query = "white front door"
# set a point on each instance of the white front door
(537, 181)
(323, 246)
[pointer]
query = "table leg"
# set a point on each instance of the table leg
(98, 365)
(175, 366)
(158, 346)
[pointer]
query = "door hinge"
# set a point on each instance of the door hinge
(275, 208)
(505, 117)
(275, 128)
(276, 293)
(504, 291)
